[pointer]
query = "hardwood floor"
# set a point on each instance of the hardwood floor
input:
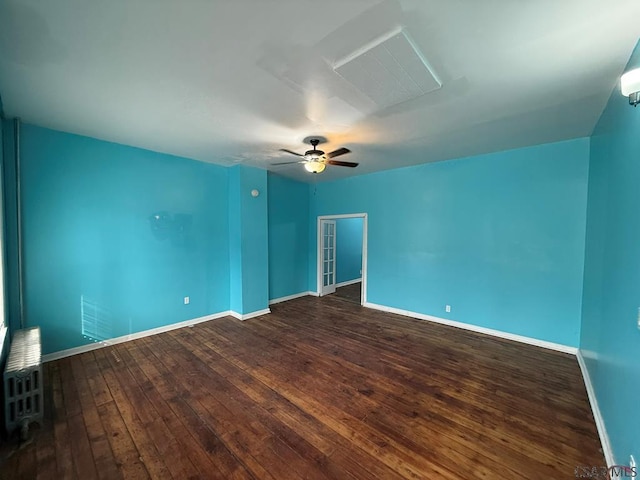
(320, 388)
(351, 293)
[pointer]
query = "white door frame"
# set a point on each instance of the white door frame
(363, 287)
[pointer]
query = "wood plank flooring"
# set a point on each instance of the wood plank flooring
(319, 389)
(350, 293)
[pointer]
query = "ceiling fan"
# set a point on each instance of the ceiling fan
(315, 161)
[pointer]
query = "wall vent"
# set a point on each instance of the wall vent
(389, 70)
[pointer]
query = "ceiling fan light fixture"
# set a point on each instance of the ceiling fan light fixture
(316, 161)
(315, 167)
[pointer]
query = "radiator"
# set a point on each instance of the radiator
(23, 381)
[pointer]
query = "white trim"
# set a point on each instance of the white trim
(343, 215)
(348, 282)
(288, 297)
(247, 316)
(593, 400)
(365, 257)
(313, 294)
(368, 46)
(365, 227)
(474, 328)
(132, 336)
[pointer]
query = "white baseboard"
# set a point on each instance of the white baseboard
(593, 400)
(247, 316)
(474, 328)
(288, 297)
(132, 336)
(293, 297)
(348, 282)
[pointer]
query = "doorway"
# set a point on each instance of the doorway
(327, 268)
(328, 249)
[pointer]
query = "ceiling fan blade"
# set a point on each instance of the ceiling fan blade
(291, 152)
(336, 153)
(288, 163)
(338, 163)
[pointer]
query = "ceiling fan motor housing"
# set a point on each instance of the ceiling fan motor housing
(313, 154)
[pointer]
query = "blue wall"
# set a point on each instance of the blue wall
(500, 237)
(249, 251)
(120, 234)
(348, 249)
(235, 242)
(288, 236)
(610, 341)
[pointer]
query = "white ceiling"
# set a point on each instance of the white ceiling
(229, 81)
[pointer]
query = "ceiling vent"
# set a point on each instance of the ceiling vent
(389, 70)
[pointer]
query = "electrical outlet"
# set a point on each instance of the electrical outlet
(186, 300)
(447, 308)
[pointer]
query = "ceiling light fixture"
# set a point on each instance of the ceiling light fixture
(315, 167)
(630, 86)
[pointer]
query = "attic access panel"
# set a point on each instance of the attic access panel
(389, 70)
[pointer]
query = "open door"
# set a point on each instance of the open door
(328, 249)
